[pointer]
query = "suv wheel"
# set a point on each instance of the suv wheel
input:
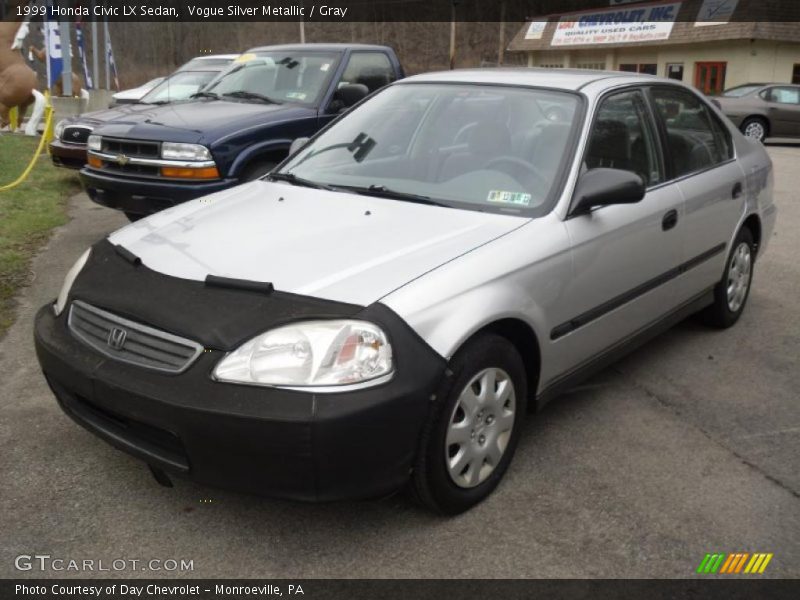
(755, 128)
(732, 291)
(467, 446)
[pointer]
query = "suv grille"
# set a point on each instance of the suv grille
(131, 342)
(75, 135)
(131, 148)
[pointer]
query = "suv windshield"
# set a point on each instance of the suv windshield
(289, 76)
(480, 147)
(179, 86)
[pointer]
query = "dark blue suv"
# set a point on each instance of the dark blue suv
(237, 128)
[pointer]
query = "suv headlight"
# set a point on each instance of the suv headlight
(61, 301)
(176, 151)
(94, 142)
(59, 128)
(312, 354)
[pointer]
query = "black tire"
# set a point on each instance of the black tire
(720, 314)
(431, 483)
(257, 170)
(756, 128)
(133, 217)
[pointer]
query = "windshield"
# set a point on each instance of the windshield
(179, 86)
(480, 147)
(289, 76)
(742, 90)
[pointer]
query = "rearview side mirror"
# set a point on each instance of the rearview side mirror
(349, 95)
(602, 187)
(297, 145)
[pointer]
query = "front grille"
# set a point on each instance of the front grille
(131, 342)
(75, 135)
(131, 148)
(129, 169)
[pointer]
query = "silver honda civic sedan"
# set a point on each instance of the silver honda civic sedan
(383, 308)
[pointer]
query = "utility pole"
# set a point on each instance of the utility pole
(95, 57)
(453, 35)
(502, 48)
(302, 25)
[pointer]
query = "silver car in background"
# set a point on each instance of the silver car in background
(384, 307)
(762, 110)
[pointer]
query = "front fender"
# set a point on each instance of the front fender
(251, 152)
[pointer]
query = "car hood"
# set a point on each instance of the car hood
(202, 121)
(331, 245)
(98, 117)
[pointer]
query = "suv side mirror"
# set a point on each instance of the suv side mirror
(349, 95)
(297, 145)
(602, 187)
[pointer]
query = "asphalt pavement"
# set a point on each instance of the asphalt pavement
(689, 446)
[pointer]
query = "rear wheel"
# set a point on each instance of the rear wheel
(755, 128)
(467, 446)
(732, 291)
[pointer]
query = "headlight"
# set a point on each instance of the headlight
(61, 301)
(311, 354)
(59, 129)
(184, 151)
(94, 142)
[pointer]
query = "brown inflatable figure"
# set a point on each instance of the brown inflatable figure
(17, 80)
(58, 86)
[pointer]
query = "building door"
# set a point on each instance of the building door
(709, 77)
(675, 71)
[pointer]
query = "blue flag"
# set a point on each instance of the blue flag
(55, 62)
(112, 65)
(87, 77)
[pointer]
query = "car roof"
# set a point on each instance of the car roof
(563, 79)
(216, 57)
(324, 47)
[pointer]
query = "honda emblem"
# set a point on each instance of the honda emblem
(116, 338)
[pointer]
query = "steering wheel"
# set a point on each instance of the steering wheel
(524, 172)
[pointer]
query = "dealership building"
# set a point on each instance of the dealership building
(707, 43)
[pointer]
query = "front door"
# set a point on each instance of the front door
(620, 253)
(709, 77)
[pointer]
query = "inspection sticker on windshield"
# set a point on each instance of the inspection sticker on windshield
(325, 66)
(502, 197)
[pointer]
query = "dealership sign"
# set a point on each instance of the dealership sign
(617, 26)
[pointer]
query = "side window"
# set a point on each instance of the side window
(623, 138)
(373, 69)
(695, 137)
(785, 95)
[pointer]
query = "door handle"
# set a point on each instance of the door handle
(737, 190)
(670, 219)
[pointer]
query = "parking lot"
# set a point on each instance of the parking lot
(689, 446)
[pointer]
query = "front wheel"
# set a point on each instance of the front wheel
(467, 446)
(732, 291)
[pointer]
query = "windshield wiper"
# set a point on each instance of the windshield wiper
(295, 180)
(245, 95)
(381, 191)
(205, 95)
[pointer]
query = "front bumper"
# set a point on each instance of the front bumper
(145, 196)
(70, 156)
(254, 439)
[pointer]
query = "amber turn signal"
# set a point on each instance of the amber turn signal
(95, 162)
(190, 173)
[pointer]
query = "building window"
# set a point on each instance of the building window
(709, 77)
(649, 68)
(552, 66)
(675, 71)
(796, 73)
(596, 66)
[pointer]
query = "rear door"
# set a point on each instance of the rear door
(700, 160)
(784, 110)
(622, 254)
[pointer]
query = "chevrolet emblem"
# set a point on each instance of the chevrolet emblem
(122, 160)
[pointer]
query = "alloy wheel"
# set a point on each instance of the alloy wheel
(755, 130)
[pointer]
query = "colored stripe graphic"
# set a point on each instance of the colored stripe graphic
(734, 563)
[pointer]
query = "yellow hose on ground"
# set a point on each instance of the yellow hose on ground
(48, 111)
